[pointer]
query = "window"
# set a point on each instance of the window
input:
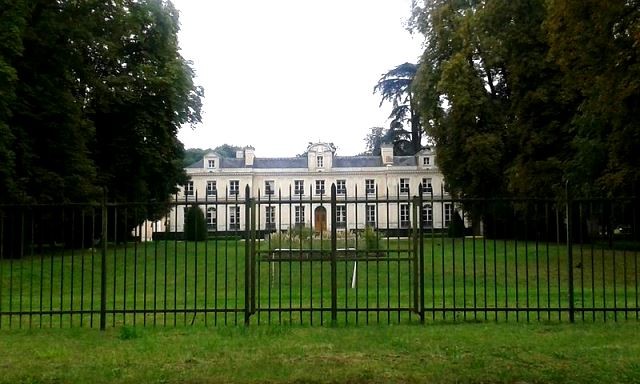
(320, 161)
(298, 187)
(299, 213)
(188, 188)
(212, 218)
(270, 217)
(234, 217)
(371, 215)
(319, 187)
(211, 163)
(426, 161)
(341, 187)
(341, 216)
(234, 187)
(370, 186)
(426, 184)
(269, 187)
(447, 214)
(404, 185)
(427, 215)
(211, 188)
(404, 215)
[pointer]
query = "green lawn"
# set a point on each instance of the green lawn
(437, 353)
(204, 283)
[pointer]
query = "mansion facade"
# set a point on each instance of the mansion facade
(294, 192)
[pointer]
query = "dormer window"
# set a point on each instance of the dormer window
(211, 163)
(426, 161)
(320, 161)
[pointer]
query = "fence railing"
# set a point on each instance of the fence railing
(319, 260)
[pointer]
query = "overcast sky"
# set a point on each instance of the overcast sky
(281, 73)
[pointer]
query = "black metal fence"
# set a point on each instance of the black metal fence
(397, 257)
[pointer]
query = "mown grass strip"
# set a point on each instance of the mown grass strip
(443, 353)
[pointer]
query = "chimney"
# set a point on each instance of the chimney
(386, 151)
(249, 155)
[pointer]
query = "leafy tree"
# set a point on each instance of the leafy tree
(395, 87)
(595, 44)
(226, 150)
(523, 96)
(373, 141)
(92, 94)
(12, 23)
(191, 155)
(456, 227)
(395, 135)
(48, 121)
(490, 97)
(195, 226)
(101, 94)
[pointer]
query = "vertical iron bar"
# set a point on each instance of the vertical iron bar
(570, 254)
(93, 274)
(415, 232)
(2, 246)
(31, 256)
(334, 267)
(581, 242)
(115, 261)
(62, 229)
(103, 264)
(526, 258)
(124, 271)
(73, 244)
(247, 255)
(22, 265)
(420, 267)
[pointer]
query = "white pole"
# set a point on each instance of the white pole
(353, 279)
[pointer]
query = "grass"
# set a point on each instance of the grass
(441, 353)
(169, 283)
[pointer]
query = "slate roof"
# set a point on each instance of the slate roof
(197, 164)
(356, 161)
(301, 162)
(404, 160)
(280, 162)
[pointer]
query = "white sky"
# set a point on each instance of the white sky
(281, 73)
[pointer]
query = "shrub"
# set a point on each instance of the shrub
(456, 228)
(195, 226)
(371, 239)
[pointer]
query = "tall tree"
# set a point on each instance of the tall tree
(595, 43)
(12, 23)
(395, 87)
(191, 155)
(489, 96)
(93, 94)
(396, 135)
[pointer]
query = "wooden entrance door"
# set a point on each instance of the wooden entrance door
(320, 222)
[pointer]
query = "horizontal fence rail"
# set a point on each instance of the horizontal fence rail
(307, 258)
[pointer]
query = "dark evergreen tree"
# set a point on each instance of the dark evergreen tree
(195, 226)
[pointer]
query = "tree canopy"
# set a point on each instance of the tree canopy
(191, 155)
(93, 94)
(395, 87)
(523, 96)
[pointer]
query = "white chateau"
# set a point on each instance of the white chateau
(291, 192)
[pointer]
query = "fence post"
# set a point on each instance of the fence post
(570, 254)
(414, 250)
(103, 262)
(334, 264)
(247, 255)
(420, 265)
